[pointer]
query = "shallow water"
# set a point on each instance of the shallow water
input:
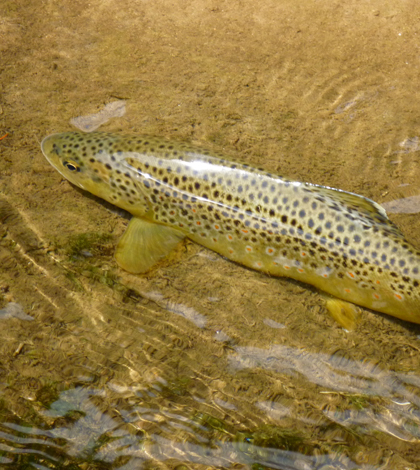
(201, 363)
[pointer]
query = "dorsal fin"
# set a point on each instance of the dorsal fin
(369, 213)
(354, 203)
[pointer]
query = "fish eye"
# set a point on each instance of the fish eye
(72, 166)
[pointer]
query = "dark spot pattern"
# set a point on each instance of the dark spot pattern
(251, 216)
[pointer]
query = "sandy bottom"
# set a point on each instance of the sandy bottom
(201, 363)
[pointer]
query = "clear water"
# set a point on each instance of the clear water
(201, 363)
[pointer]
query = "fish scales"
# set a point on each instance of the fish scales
(337, 241)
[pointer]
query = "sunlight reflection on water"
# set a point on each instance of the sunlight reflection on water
(332, 372)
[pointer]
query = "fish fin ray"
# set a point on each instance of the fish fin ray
(144, 244)
(355, 202)
(344, 313)
(369, 212)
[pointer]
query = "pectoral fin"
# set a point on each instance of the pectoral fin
(144, 244)
(344, 313)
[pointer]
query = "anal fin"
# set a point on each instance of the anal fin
(344, 313)
(144, 244)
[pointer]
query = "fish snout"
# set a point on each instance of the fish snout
(50, 147)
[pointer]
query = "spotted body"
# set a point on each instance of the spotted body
(339, 242)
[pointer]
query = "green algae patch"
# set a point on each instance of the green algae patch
(270, 437)
(88, 245)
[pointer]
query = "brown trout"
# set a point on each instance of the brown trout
(339, 242)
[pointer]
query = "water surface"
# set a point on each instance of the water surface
(201, 363)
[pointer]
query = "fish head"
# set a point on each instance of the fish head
(95, 163)
(67, 158)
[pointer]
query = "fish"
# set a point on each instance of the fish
(339, 242)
